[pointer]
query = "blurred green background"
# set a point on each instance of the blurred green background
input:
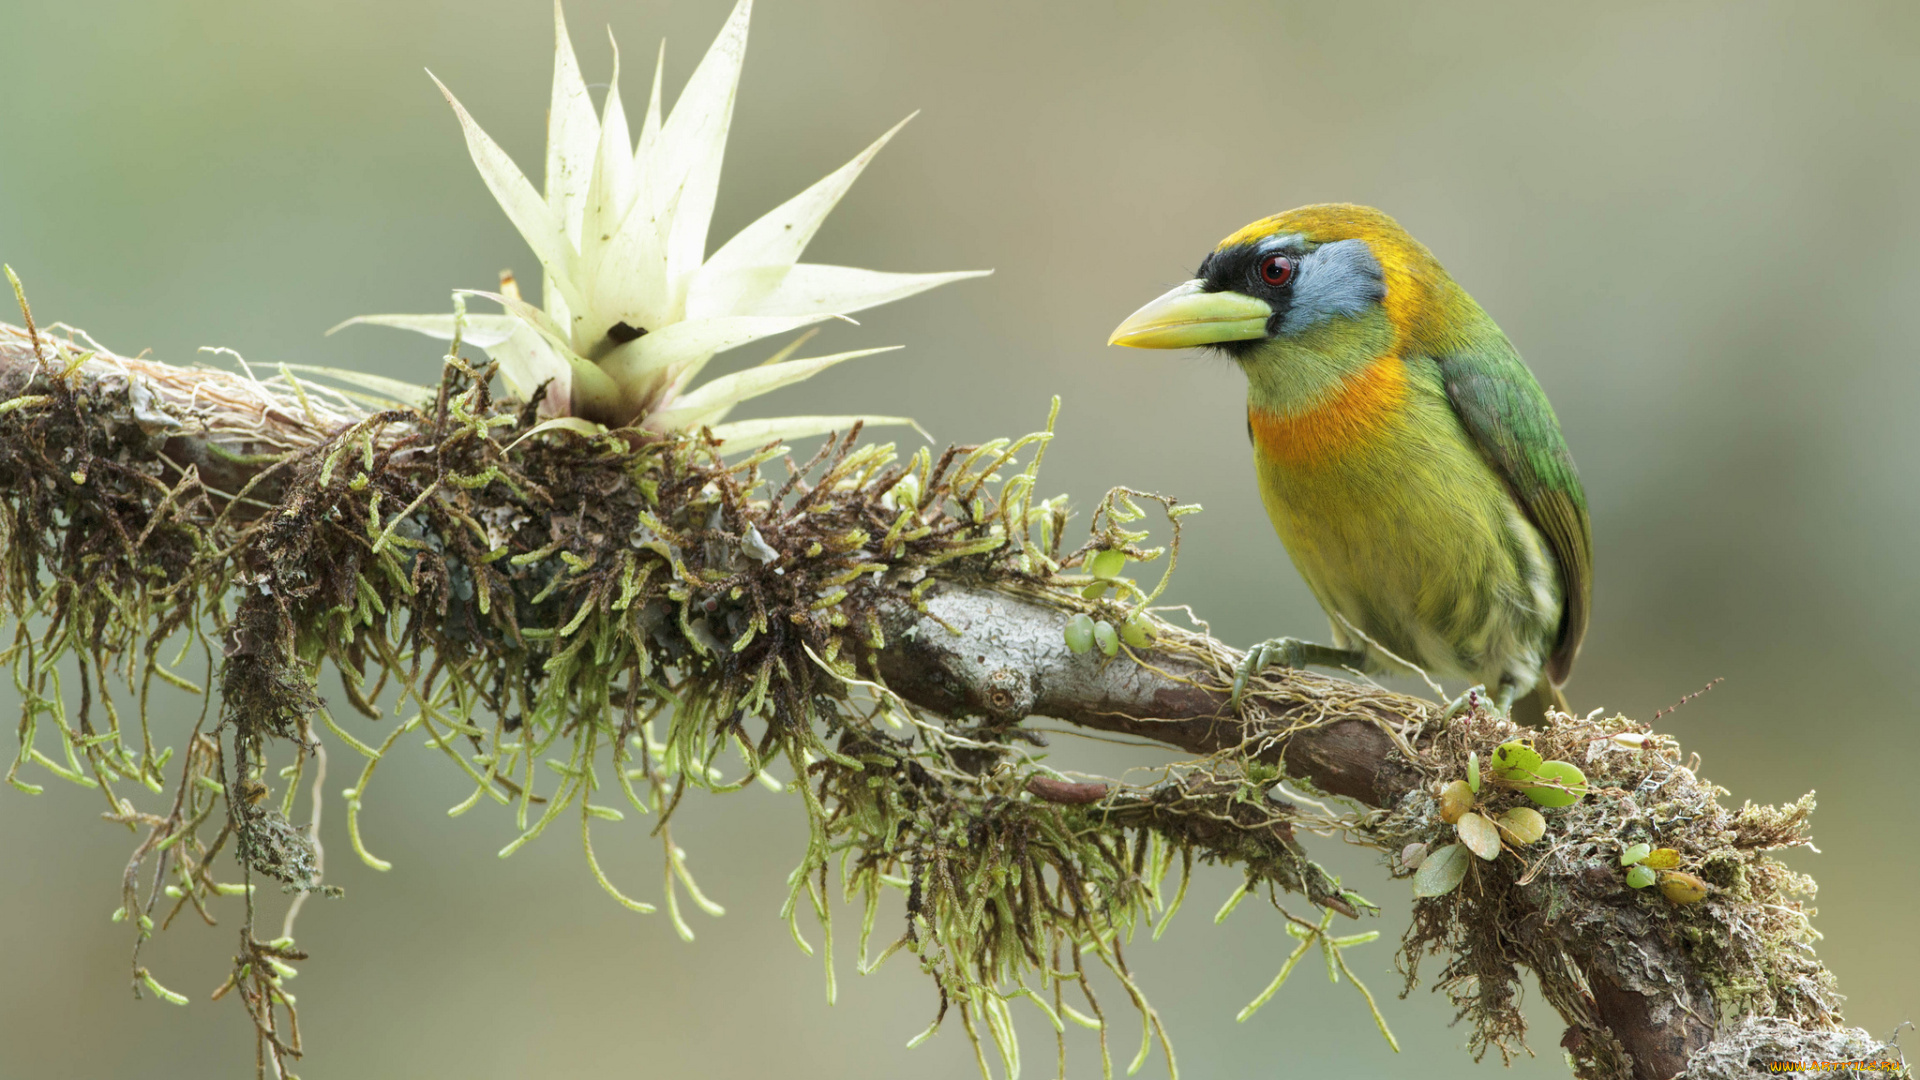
(1696, 221)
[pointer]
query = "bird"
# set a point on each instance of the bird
(1408, 458)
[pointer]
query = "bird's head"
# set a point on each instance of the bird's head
(1307, 272)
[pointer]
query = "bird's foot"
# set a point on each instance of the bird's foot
(1502, 703)
(1290, 653)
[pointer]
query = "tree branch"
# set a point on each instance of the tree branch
(1009, 660)
(1641, 998)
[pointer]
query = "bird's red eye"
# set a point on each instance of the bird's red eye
(1276, 270)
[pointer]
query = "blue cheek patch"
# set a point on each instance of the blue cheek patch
(1338, 279)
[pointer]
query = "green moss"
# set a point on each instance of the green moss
(1748, 943)
(586, 629)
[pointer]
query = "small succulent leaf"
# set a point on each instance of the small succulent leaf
(748, 434)
(1442, 872)
(1514, 760)
(572, 133)
(1455, 799)
(1473, 771)
(1665, 858)
(1524, 824)
(1107, 565)
(480, 331)
(1479, 835)
(524, 206)
(1679, 887)
(1106, 637)
(1635, 854)
(1639, 877)
(694, 140)
(780, 235)
(816, 289)
(1079, 634)
(693, 407)
(1563, 784)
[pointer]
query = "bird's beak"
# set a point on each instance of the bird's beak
(1189, 315)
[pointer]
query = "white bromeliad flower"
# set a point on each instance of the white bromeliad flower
(633, 307)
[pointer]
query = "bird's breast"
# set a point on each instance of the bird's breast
(1402, 530)
(1359, 412)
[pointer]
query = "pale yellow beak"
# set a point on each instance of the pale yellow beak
(1188, 315)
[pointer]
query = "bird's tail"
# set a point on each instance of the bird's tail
(1531, 710)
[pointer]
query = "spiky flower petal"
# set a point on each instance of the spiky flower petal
(632, 307)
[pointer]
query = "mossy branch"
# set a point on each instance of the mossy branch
(879, 629)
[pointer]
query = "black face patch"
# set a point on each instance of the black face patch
(1237, 269)
(1341, 279)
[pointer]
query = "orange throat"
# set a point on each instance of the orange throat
(1362, 409)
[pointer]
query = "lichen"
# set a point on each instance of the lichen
(1758, 1045)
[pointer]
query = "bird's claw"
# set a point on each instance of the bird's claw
(1281, 651)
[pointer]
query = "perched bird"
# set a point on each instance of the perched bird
(1409, 461)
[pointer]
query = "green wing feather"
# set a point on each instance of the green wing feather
(1511, 421)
